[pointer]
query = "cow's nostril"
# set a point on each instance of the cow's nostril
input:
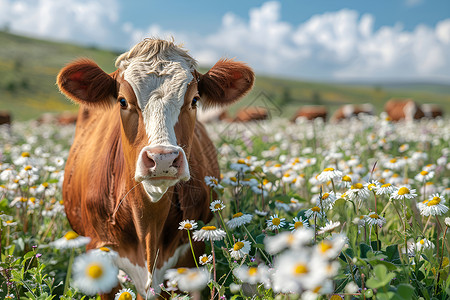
(177, 161)
(148, 160)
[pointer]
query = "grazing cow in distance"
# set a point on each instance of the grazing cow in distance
(5, 117)
(352, 110)
(311, 112)
(432, 111)
(251, 113)
(137, 165)
(403, 109)
(213, 114)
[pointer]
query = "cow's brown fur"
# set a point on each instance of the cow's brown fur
(352, 110)
(403, 109)
(311, 113)
(251, 113)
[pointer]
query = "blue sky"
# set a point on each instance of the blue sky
(325, 40)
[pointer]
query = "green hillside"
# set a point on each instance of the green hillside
(28, 68)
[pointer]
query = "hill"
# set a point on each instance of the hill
(28, 68)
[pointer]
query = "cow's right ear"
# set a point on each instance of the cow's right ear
(86, 83)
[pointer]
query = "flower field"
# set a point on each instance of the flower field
(312, 210)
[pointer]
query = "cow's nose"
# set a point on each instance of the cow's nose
(162, 161)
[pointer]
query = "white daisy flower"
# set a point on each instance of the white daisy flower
(385, 189)
(346, 181)
(329, 174)
(240, 249)
(373, 218)
(329, 226)
(125, 294)
(94, 274)
(330, 248)
(261, 213)
(232, 181)
(10, 223)
(394, 164)
(205, 259)
(209, 233)
(447, 221)
(434, 206)
(275, 222)
(314, 211)
(71, 240)
(373, 185)
(292, 240)
(297, 223)
(193, 280)
(358, 192)
(403, 193)
(212, 182)
(239, 219)
(241, 166)
(252, 275)
(106, 252)
(217, 205)
(424, 175)
(421, 245)
(326, 201)
(188, 225)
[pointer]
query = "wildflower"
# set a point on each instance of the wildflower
(71, 240)
(424, 175)
(330, 248)
(125, 294)
(252, 275)
(298, 222)
(209, 233)
(326, 201)
(421, 245)
(94, 274)
(373, 185)
(293, 240)
(9, 223)
(313, 212)
(106, 252)
(232, 181)
(193, 280)
(329, 226)
(373, 218)
(216, 205)
(394, 164)
(241, 166)
(212, 182)
(329, 174)
(275, 222)
(434, 206)
(447, 221)
(280, 205)
(346, 181)
(385, 189)
(240, 249)
(261, 213)
(205, 259)
(403, 193)
(239, 219)
(188, 225)
(358, 192)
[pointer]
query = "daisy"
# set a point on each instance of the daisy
(240, 249)
(9, 223)
(447, 221)
(358, 192)
(239, 219)
(329, 226)
(373, 185)
(424, 175)
(232, 181)
(291, 240)
(71, 240)
(434, 206)
(297, 223)
(275, 222)
(330, 248)
(329, 174)
(212, 182)
(403, 193)
(105, 252)
(385, 189)
(216, 205)
(326, 201)
(205, 259)
(241, 166)
(125, 294)
(209, 233)
(394, 164)
(313, 212)
(421, 245)
(251, 275)
(193, 280)
(346, 181)
(373, 218)
(94, 274)
(188, 225)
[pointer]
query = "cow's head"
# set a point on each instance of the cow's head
(156, 90)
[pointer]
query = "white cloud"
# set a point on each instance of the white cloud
(412, 3)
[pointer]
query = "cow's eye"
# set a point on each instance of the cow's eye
(123, 103)
(194, 101)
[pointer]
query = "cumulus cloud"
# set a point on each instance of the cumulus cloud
(338, 45)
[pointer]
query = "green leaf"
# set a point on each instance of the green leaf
(27, 256)
(380, 271)
(390, 266)
(364, 248)
(392, 253)
(374, 245)
(405, 291)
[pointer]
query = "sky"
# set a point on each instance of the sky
(320, 40)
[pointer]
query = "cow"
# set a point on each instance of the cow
(432, 111)
(311, 112)
(251, 113)
(5, 118)
(139, 158)
(213, 115)
(352, 110)
(403, 109)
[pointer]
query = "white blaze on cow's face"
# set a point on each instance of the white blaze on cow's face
(159, 76)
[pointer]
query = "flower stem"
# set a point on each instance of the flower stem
(438, 274)
(214, 267)
(262, 252)
(69, 271)
(192, 248)
(225, 228)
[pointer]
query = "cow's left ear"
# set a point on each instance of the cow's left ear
(225, 83)
(86, 83)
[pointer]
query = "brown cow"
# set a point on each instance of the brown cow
(137, 140)
(311, 112)
(5, 118)
(251, 113)
(403, 109)
(352, 110)
(432, 111)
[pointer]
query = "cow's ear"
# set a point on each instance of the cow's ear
(86, 83)
(225, 83)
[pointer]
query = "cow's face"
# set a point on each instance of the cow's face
(157, 90)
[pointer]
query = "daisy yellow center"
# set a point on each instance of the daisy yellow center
(181, 270)
(393, 160)
(315, 209)
(300, 269)
(125, 296)
(403, 191)
(45, 184)
(371, 186)
(357, 186)
(335, 297)
(233, 179)
(214, 181)
(252, 271)
(104, 249)
(422, 242)
(187, 226)
(325, 196)
(241, 161)
(273, 148)
(265, 181)
(328, 169)
(386, 185)
(374, 216)
(209, 228)
(395, 175)
(25, 154)
(9, 222)
(287, 175)
(325, 246)
(276, 221)
(218, 206)
(238, 246)
(424, 173)
(317, 289)
(277, 165)
(27, 168)
(23, 199)
(298, 224)
(434, 201)
(61, 202)
(94, 271)
(33, 200)
(237, 215)
(346, 178)
(71, 235)
(204, 259)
